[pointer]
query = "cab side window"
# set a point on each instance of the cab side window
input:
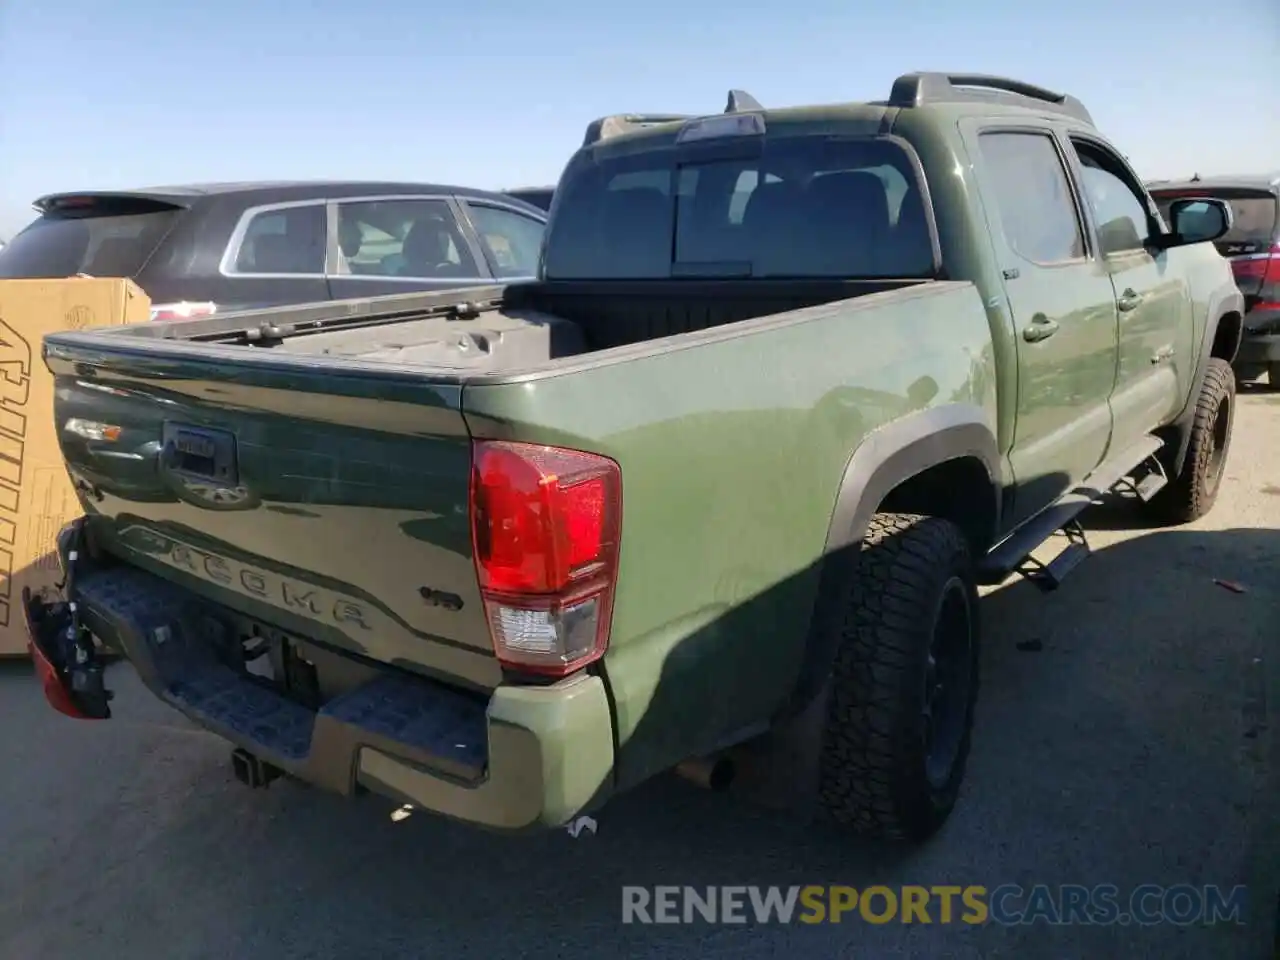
(1118, 209)
(1033, 195)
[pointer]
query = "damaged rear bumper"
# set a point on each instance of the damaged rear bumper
(70, 670)
(66, 660)
(526, 757)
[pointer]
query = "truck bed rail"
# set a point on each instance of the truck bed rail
(270, 324)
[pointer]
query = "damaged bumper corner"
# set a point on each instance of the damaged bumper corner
(525, 758)
(68, 666)
(63, 652)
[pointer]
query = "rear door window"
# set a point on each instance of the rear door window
(511, 240)
(1033, 196)
(100, 237)
(806, 207)
(284, 241)
(406, 238)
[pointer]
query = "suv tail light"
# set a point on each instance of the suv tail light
(545, 527)
(1264, 268)
(184, 310)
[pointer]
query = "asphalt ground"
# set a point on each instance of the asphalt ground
(1125, 736)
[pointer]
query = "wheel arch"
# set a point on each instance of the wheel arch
(1222, 336)
(944, 462)
(1227, 337)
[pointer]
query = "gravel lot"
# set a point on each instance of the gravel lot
(1129, 746)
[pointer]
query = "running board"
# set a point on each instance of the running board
(1049, 576)
(1013, 554)
(1147, 484)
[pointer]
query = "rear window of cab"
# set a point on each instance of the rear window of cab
(801, 207)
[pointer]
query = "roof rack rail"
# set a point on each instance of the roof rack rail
(620, 123)
(739, 101)
(924, 88)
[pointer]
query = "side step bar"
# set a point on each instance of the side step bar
(1149, 479)
(1049, 576)
(1013, 554)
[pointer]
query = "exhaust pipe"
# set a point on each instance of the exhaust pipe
(710, 773)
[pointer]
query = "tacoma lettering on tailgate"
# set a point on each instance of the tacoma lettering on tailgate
(276, 589)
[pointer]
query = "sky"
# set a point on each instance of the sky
(99, 95)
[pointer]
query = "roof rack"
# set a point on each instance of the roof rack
(926, 88)
(739, 101)
(620, 123)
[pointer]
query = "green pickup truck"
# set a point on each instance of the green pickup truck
(714, 494)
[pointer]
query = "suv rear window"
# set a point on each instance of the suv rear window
(806, 207)
(99, 237)
(1255, 217)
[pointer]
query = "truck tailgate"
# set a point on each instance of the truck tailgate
(330, 506)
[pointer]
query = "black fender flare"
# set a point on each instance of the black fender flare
(887, 457)
(1226, 299)
(899, 451)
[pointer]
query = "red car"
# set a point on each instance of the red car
(1253, 247)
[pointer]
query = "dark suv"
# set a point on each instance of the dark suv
(540, 197)
(196, 250)
(1253, 247)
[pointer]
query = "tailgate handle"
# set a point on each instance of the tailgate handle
(200, 452)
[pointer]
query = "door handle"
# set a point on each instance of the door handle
(1040, 328)
(1129, 300)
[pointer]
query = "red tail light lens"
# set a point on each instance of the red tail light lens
(1262, 269)
(54, 690)
(1262, 266)
(545, 525)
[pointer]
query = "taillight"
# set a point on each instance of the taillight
(184, 310)
(1261, 268)
(545, 527)
(55, 691)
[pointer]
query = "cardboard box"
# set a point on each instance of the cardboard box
(36, 496)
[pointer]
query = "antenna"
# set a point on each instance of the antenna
(740, 102)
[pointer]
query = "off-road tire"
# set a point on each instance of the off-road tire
(872, 770)
(1193, 492)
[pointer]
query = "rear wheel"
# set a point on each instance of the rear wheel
(904, 682)
(1273, 375)
(1193, 492)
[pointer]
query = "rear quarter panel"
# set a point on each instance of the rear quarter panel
(733, 443)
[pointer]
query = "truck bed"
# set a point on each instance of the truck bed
(506, 328)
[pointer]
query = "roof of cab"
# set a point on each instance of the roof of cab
(967, 92)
